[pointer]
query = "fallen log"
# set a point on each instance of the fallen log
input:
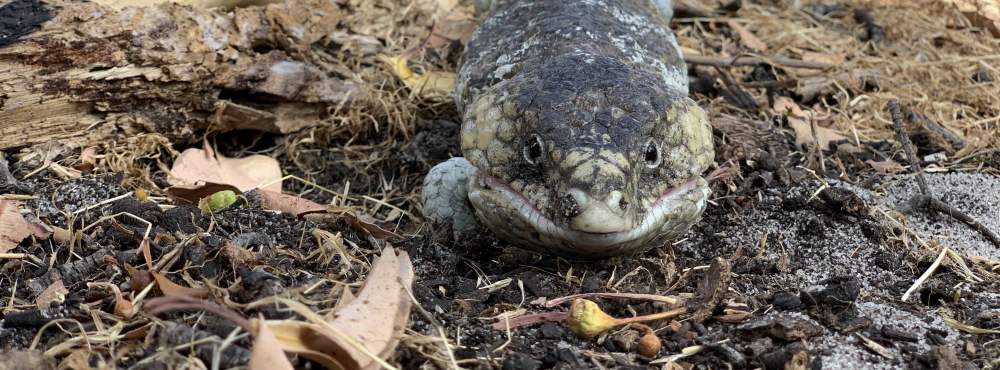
(92, 72)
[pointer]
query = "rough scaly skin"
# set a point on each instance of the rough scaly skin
(562, 102)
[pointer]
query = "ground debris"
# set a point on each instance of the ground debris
(782, 326)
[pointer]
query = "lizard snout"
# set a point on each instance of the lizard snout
(599, 216)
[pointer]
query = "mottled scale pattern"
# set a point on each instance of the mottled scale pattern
(596, 82)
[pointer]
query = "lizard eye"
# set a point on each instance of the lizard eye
(533, 149)
(651, 153)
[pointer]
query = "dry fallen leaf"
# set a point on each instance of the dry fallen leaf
(746, 37)
(172, 289)
(123, 307)
(887, 166)
(192, 194)
(429, 84)
(453, 21)
(55, 292)
(380, 312)
(799, 120)
(834, 59)
(368, 326)
(13, 227)
(267, 353)
(199, 166)
(88, 159)
(289, 204)
(311, 341)
(982, 13)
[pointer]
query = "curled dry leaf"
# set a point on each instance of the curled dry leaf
(197, 166)
(289, 204)
(982, 13)
(748, 39)
(267, 353)
(193, 194)
(13, 227)
(360, 223)
(55, 292)
(88, 159)
(832, 59)
(887, 166)
(123, 307)
(172, 289)
(800, 121)
(368, 326)
(454, 20)
(138, 279)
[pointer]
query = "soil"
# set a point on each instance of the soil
(818, 260)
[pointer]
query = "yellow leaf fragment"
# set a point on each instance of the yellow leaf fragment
(429, 84)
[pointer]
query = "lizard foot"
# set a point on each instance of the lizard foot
(445, 196)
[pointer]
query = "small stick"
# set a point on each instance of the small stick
(897, 125)
(940, 206)
(926, 200)
(749, 60)
(819, 147)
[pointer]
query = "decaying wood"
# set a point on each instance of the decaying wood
(92, 72)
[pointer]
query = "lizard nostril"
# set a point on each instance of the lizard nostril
(623, 204)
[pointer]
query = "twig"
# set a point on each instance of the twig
(940, 206)
(926, 200)
(911, 156)
(819, 148)
(749, 60)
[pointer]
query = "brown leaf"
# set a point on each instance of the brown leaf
(191, 194)
(13, 227)
(311, 341)
(138, 279)
(369, 325)
(381, 311)
(171, 289)
(360, 223)
(123, 307)
(982, 13)
(55, 292)
(198, 166)
(746, 37)
(799, 120)
(834, 59)
(453, 21)
(88, 159)
(289, 204)
(267, 353)
(887, 166)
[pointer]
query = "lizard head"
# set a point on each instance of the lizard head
(592, 163)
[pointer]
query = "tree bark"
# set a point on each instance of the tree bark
(92, 73)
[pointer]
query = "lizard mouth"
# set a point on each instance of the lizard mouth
(671, 213)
